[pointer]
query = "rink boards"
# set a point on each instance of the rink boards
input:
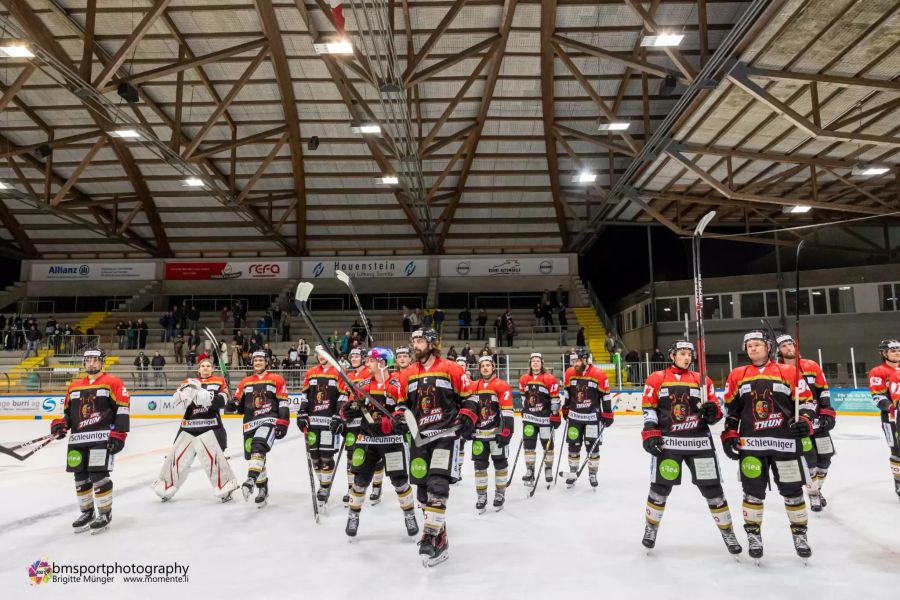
(847, 401)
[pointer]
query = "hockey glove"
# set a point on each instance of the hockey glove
(565, 412)
(203, 398)
(230, 407)
(607, 419)
(653, 441)
(710, 412)
(826, 419)
(466, 420)
(555, 421)
(116, 441)
(800, 428)
(303, 421)
(398, 423)
(281, 427)
(336, 426)
(731, 443)
(503, 437)
(58, 428)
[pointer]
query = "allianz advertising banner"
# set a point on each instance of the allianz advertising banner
(92, 271)
(397, 267)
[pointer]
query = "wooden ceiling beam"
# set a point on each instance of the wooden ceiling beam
(133, 40)
(436, 34)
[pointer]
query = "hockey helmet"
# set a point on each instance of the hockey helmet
(888, 344)
(429, 335)
(677, 345)
(536, 355)
(783, 338)
(580, 353)
(402, 350)
(485, 358)
(381, 353)
(97, 353)
(259, 354)
(756, 334)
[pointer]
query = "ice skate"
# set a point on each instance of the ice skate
(649, 540)
(481, 502)
(100, 523)
(754, 539)
(352, 524)
(409, 519)
(528, 477)
(731, 542)
(499, 498)
(247, 488)
(592, 478)
(434, 548)
(262, 496)
(375, 496)
(83, 522)
(801, 544)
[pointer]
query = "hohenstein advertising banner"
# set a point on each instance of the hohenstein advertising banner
(504, 266)
(366, 267)
(93, 271)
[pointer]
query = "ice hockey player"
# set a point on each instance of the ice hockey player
(379, 445)
(677, 414)
(353, 421)
(401, 356)
(436, 390)
(493, 430)
(879, 379)
(96, 416)
(262, 398)
(322, 394)
(762, 433)
(201, 435)
(819, 449)
(587, 407)
(539, 391)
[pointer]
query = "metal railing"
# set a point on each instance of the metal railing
(33, 307)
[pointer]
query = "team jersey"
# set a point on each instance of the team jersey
(436, 394)
(351, 409)
(879, 380)
(495, 407)
(671, 404)
(262, 399)
(818, 385)
(200, 419)
(377, 426)
(540, 397)
(588, 394)
(759, 403)
(323, 394)
(92, 410)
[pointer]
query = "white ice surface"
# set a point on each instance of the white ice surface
(560, 544)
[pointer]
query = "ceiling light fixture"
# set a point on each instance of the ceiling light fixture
(127, 134)
(366, 128)
(16, 49)
(797, 209)
(585, 177)
(614, 126)
(662, 40)
(339, 46)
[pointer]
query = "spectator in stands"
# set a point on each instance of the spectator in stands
(345, 343)
(485, 350)
(276, 318)
(191, 358)
(50, 327)
(237, 353)
(261, 327)
(466, 350)
(178, 315)
(32, 341)
(471, 361)
(286, 319)
(438, 316)
(355, 341)
(538, 315)
(563, 324)
(236, 314)
(255, 342)
(334, 341)
(142, 333)
(193, 342)
(406, 325)
(268, 350)
(158, 362)
(562, 297)
(165, 322)
(3, 321)
(579, 337)
(356, 329)
(499, 328)
(269, 320)
(193, 316)
(510, 328)
(223, 318)
(465, 324)
(658, 357)
(547, 314)
(501, 360)
(451, 353)
(178, 346)
(302, 353)
(19, 326)
(482, 321)
(9, 337)
(239, 338)
(415, 319)
(141, 365)
(428, 320)
(631, 364)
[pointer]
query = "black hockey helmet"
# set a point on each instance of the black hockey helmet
(677, 345)
(580, 353)
(888, 344)
(757, 334)
(429, 335)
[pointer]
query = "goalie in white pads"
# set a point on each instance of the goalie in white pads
(201, 435)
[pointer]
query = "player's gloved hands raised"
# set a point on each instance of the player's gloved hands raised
(116, 441)
(466, 420)
(826, 419)
(281, 428)
(555, 421)
(303, 421)
(800, 428)
(58, 428)
(709, 411)
(336, 426)
(607, 419)
(398, 421)
(653, 442)
(203, 398)
(731, 443)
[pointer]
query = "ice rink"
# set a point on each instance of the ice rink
(560, 544)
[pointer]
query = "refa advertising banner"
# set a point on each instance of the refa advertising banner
(395, 267)
(92, 271)
(504, 266)
(224, 270)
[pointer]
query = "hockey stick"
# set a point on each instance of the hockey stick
(215, 344)
(797, 335)
(345, 279)
(516, 459)
(559, 460)
(543, 458)
(312, 479)
(304, 289)
(698, 300)
(576, 474)
(25, 449)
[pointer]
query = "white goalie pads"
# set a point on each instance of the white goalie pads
(177, 464)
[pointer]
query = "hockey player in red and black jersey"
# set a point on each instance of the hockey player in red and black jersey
(318, 417)
(493, 431)
(436, 390)
(818, 450)
(402, 358)
(96, 417)
(262, 398)
(762, 433)
(879, 382)
(677, 414)
(539, 391)
(353, 421)
(201, 435)
(380, 445)
(586, 408)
